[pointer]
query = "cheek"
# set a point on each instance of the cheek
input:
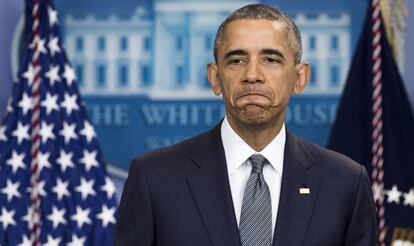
(229, 87)
(228, 94)
(282, 87)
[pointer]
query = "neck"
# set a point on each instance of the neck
(257, 136)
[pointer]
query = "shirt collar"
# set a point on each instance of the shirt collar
(237, 151)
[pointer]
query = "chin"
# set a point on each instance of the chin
(254, 119)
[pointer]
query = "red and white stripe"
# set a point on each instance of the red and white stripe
(35, 123)
(377, 122)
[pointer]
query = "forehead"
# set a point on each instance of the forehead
(255, 34)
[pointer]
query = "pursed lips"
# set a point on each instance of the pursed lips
(251, 93)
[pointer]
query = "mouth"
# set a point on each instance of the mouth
(252, 99)
(251, 94)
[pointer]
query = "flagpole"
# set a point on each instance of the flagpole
(35, 136)
(377, 121)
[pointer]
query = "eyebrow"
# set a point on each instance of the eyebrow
(267, 51)
(234, 53)
(272, 52)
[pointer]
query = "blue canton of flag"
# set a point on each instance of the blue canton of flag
(77, 197)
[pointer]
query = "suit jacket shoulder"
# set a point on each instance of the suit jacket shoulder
(174, 159)
(332, 161)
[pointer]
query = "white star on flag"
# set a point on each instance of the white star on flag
(25, 241)
(89, 159)
(57, 216)
(50, 103)
(61, 189)
(11, 190)
(68, 132)
(29, 217)
(69, 74)
(86, 188)
(26, 103)
(77, 241)
(107, 215)
(40, 45)
(53, 74)
(52, 16)
(69, 103)
(52, 241)
(43, 159)
(109, 187)
(29, 74)
(65, 160)
(3, 136)
(394, 195)
(81, 216)
(40, 189)
(16, 161)
(409, 198)
(22, 132)
(54, 45)
(88, 131)
(6, 218)
(46, 132)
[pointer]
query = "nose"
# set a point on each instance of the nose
(253, 73)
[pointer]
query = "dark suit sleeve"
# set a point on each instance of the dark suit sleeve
(135, 224)
(362, 228)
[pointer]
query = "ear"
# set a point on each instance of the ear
(212, 75)
(302, 77)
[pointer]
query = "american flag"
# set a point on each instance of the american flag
(54, 189)
(375, 126)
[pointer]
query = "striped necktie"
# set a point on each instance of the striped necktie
(256, 214)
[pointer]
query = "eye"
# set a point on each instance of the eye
(236, 61)
(272, 60)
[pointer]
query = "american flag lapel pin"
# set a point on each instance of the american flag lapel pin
(304, 191)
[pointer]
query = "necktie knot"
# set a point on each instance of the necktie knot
(258, 161)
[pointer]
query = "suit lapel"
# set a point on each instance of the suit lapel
(295, 209)
(211, 190)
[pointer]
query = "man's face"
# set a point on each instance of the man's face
(256, 72)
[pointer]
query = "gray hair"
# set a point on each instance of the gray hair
(263, 12)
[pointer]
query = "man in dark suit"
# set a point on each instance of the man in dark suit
(249, 181)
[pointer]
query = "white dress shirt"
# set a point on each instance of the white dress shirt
(237, 152)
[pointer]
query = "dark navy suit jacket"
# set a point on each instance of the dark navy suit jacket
(181, 196)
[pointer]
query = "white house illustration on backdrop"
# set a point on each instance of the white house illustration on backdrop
(162, 52)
